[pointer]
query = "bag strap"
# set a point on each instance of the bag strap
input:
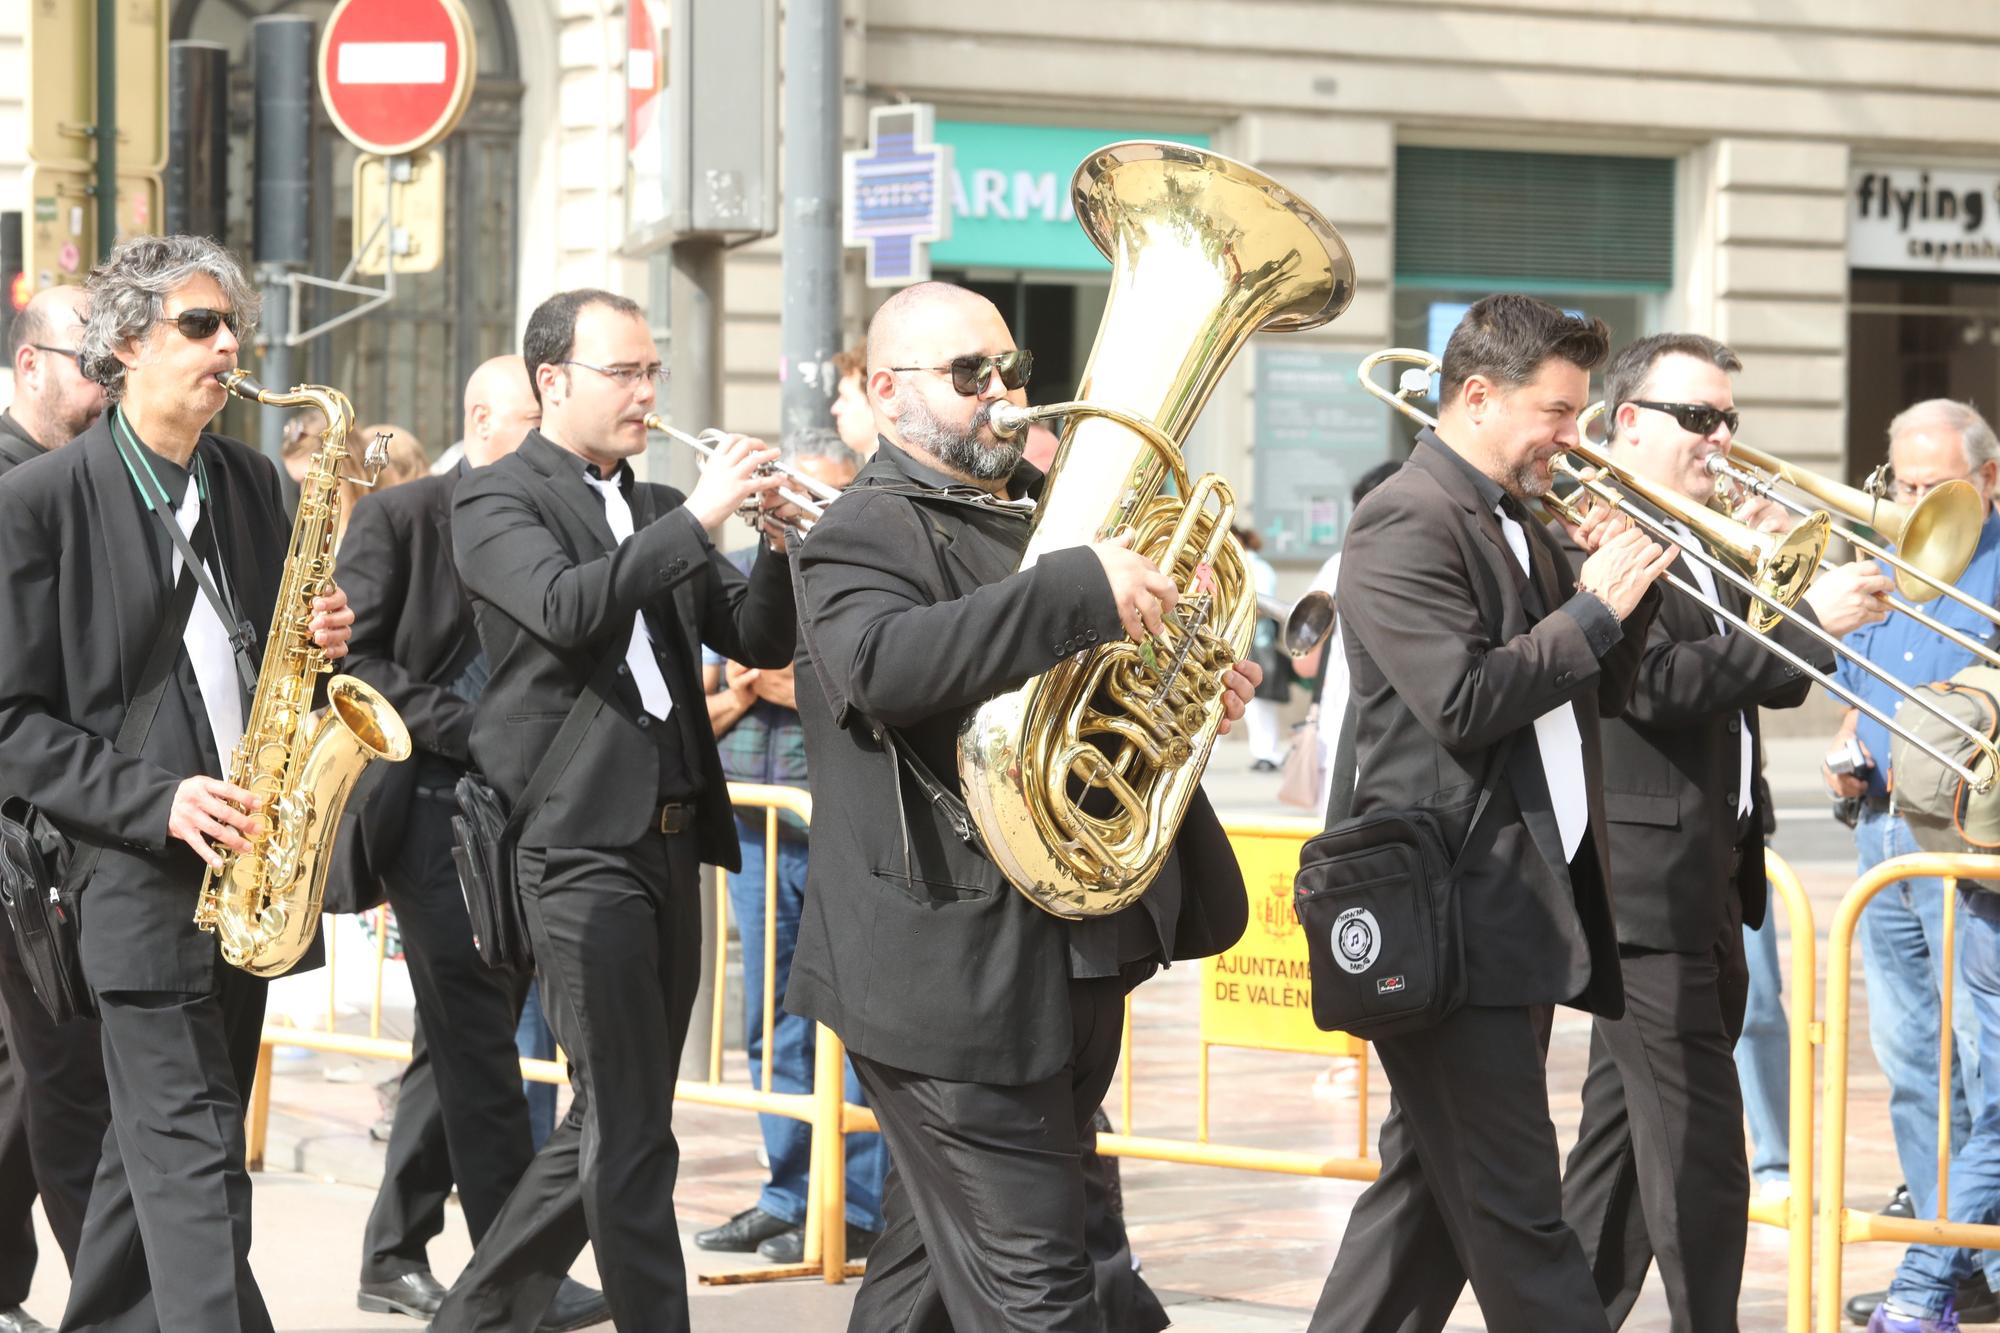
(1340, 802)
(138, 723)
(242, 634)
(563, 748)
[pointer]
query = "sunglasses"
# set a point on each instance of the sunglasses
(970, 372)
(1695, 418)
(199, 322)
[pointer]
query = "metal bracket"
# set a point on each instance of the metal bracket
(397, 171)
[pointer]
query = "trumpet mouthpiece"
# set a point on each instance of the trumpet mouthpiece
(1717, 465)
(1008, 420)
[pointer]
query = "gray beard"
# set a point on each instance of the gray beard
(960, 450)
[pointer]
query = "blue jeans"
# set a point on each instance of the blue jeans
(535, 1042)
(1930, 1273)
(793, 1039)
(1902, 965)
(1763, 1056)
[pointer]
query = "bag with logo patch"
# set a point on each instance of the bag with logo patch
(1378, 898)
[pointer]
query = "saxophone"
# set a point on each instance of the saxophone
(264, 905)
(1078, 780)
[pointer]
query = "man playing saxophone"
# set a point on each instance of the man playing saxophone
(983, 1029)
(92, 594)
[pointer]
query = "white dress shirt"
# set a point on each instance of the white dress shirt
(1705, 577)
(1556, 733)
(207, 643)
(639, 657)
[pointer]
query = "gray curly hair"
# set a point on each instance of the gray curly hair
(128, 295)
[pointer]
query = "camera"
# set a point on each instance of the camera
(1847, 759)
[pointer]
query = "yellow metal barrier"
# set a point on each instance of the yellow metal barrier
(1839, 1225)
(1795, 1213)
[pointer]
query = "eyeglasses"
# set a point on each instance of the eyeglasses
(69, 352)
(627, 377)
(970, 372)
(199, 322)
(1695, 418)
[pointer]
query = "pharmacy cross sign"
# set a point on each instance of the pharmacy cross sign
(897, 194)
(397, 74)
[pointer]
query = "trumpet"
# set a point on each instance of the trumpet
(1782, 565)
(705, 444)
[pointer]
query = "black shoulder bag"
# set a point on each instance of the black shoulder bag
(484, 835)
(41, 872)
(1378, 897)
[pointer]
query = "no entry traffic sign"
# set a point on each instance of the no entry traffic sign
(397, 74)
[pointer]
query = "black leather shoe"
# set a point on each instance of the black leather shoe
(1899, 1204)
(742, 1233)
(14, 1319)
(417, 1295)
(575, 1306)
(1976, 1303)
(789, 1245)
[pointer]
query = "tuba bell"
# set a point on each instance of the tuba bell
(1078, 780)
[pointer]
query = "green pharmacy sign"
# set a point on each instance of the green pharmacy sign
(1010, 194)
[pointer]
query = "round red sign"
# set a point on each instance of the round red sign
(397, 74)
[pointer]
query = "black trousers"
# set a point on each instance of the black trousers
(617, 936)
(988, 1220)
(1658, 1172)
(166, 1241)
(63, 1108)
(17, 1184)
(461, 1115)
(1470, 1188)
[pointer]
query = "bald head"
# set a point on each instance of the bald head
(500, 409)
(912, 341)
(907, 326)
(52, 399)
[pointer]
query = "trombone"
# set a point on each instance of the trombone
(1937, 535)
(705, 444)
(1783, 564)
(1303, 624)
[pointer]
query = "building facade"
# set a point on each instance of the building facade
(1816, 185)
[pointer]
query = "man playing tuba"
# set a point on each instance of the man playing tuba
(983, 1029)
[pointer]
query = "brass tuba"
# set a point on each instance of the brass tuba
(264, 907)
(1078, 780)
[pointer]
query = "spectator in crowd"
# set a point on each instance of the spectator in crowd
(758, 731)
(1902, 928)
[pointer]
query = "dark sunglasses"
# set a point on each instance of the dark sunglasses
(199, 322)
(1695, 418)
(970, 372)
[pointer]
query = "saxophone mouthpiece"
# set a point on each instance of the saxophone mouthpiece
(1008, 420)
(242, 384)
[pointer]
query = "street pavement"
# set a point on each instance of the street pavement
(1225, 1249)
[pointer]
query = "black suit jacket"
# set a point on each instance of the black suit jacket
(1451, 653)
(83, 590)
(16, 445)
(553, 594)
(1670, 769)
(413, 634)
(916, 616)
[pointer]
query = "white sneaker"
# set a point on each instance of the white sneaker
(1774, 1190)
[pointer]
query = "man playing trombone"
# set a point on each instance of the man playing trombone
(1478, 661)
(1658, 1171)
(1930, 444)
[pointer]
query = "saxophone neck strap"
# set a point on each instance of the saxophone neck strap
(132, 451)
